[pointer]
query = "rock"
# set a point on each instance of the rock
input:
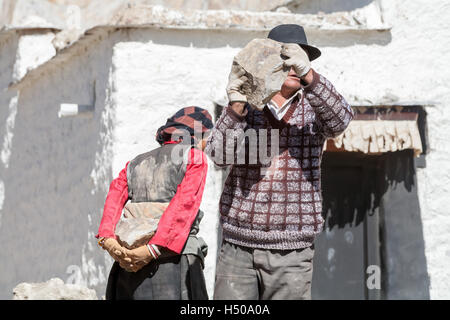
(139, 223)
(54, 289)
(135, 232)
(145, 209)
(66, 38)
(259, 59)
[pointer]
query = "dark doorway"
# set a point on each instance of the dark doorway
(372, 223)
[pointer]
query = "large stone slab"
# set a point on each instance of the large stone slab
(139, 223)
(54, 289)
(135, 232)
(144, 209)
(260, 59)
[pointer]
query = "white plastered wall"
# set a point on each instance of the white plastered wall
(412, 64)
(153, 80)
(409, 63)
(20, 51)
(8, 107)
(58, 173)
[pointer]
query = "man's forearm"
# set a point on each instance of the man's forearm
(333, 111)
(230, 124)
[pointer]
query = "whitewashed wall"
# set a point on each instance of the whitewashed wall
(19, 51)
(57, 176)
(411, 64)
(8, 107)
(172, 69)
(156, 74)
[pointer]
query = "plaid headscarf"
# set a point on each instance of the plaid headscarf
(184, 119)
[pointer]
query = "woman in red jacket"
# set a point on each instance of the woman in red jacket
(170, 266)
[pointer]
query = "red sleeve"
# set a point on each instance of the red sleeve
(115, 201)
(176, 221)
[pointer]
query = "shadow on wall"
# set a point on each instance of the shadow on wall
(343, 38)
(58, 175)
(239, 38)
(326, 6)
(402, 230)
(8, 107)
(8, 49)
(386, 186)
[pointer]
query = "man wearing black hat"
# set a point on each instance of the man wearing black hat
(271, 213)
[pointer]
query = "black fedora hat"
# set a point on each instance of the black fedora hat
(293, 33)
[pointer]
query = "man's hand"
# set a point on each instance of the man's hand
(136, 259)
(115, 250)
(297, 58)
(235, 82)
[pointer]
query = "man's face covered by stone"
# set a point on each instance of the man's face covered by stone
(292, 82)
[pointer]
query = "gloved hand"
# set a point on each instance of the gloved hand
(235, 81)
(136, 259)
(115, 250)
(297, 58)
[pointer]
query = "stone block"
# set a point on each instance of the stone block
(261, 59)
(139, 223)
(54, 289)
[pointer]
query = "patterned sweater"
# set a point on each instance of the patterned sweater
(277, 204)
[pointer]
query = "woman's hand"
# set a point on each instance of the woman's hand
(136, 259)
(115, 250)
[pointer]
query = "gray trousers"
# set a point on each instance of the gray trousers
(257, 274)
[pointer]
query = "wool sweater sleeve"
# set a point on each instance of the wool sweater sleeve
(333, 112)
(115, 200)
(176, 221)
(223, 144)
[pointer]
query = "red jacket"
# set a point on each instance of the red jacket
(176, 221)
